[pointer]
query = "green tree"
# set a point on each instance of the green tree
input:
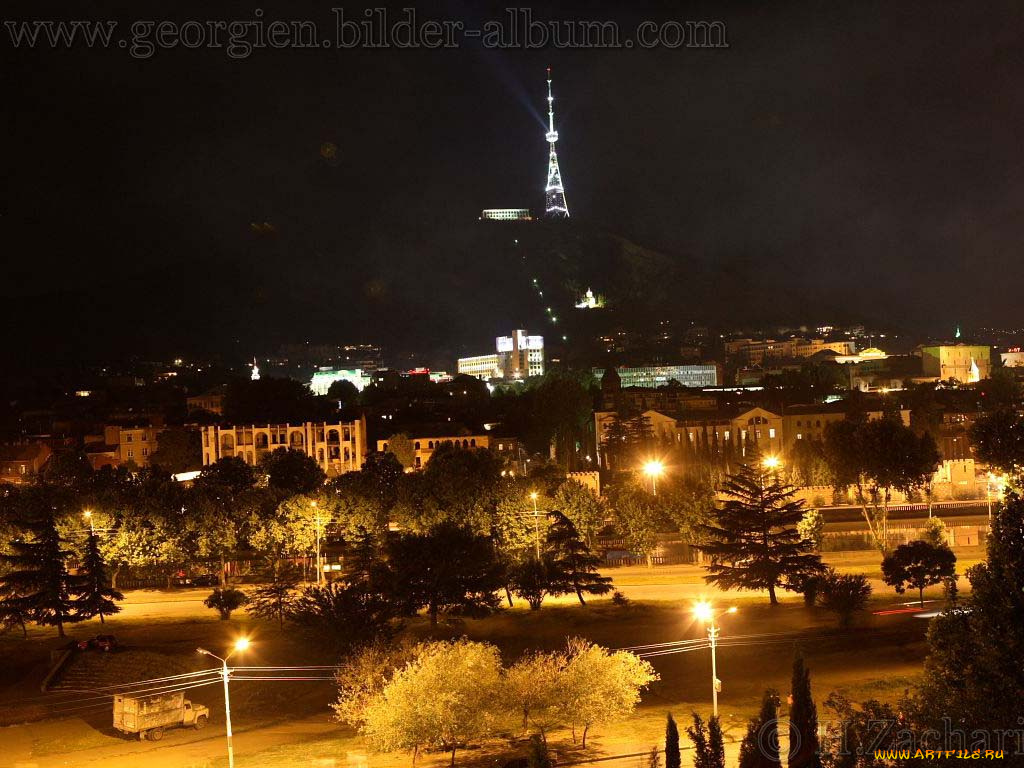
(876, 458)
(998, 441)
(534, 689)
(177, 450)
(448, 569)
(601, 686)
(918, 564)
(636, 519)
(226, 601)
(345, 615)
(673, 759)
(934, 532)
(843, 594)
(532, 579)
(754, 542)
(38, 581)
(444, 698)
(94, 595)
(400, 446)
(220, 505)
(708, 745)
(812, 528)
(972, 672)
(582, 507)
(344, 392)
(760, 745)
(803, 719)
(292, 472)
(573, 566)
(276, 597)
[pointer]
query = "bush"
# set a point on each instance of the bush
(619, 599)
(226, 601)
(844, 594)
(346, 616)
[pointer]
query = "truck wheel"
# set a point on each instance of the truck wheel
(201, 722)
(156, 734)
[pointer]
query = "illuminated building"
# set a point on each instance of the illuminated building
(963, 362)
(482, 366)
(134, 444)
(1012, 358)
(336, 448)
(517, 357)
(424, 447)
(505, 214)
(323, 378)
(554, 195)
(212, 401)
(255, 375)
(651, 376)
(590, 301)
(21, 464)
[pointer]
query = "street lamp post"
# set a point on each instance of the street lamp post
(88, 518)
(316, 528)
(536, 523)
(705, 613)
(654, 469)
(240, 645)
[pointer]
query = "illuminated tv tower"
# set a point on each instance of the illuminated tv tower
(554, 194)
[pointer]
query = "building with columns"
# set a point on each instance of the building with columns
(336, 448)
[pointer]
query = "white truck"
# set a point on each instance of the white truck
(148, 716)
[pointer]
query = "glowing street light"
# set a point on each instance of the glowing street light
(705, 613)
(87, 514)
(654, 469)
(771, 463)
(999, 481)
(241, 644)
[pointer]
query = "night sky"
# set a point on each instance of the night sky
(865, 157)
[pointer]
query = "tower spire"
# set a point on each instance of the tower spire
(554, 194)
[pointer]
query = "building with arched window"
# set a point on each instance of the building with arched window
(337, 448)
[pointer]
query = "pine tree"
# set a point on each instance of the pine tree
(38, 581)
(573, 566)
(803, 718)
(95, 596)
(973, 672)
(760, 745)
(754, 541)
(716, 744)
(673, 759)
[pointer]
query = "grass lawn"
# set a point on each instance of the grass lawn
(286, 724)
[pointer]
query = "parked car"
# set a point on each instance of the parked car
(197, 580)
(104, 643)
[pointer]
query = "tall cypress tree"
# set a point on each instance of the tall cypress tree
(754, 541)
(39, 579)
(803, 718)
(760, 745)
(573, 565)
(95, 596)
(673, 759)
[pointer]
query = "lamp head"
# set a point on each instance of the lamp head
(241, 644)
(654, 468)
(703, 611)
(771, 462)
(533, 495)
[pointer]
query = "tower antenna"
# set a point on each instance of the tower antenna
(554, 194)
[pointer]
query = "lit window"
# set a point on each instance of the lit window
(771, 433)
